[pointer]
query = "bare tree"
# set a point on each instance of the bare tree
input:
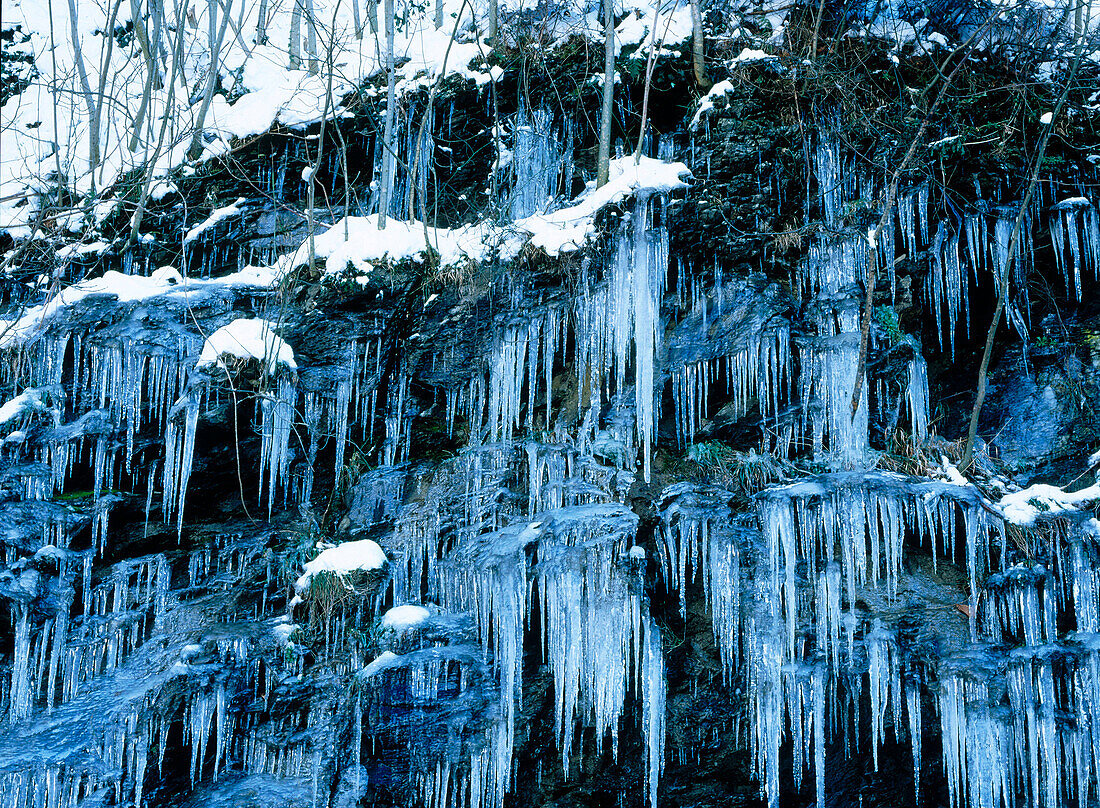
(216, 35)
(651, 61)
(261, 24)
(295, 44)
(95, 125)
(414, 163)
(388, 140)
(168, 115)
(154, 80)
(86, 90)
(960, 56)
(607, 107)
(311, 39)
(699, 67)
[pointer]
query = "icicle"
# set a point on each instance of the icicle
(179, 450)
(276, 424)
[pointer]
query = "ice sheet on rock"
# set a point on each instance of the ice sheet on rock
(829, 358)
(179, 453)
(542, 154)
(760, 373)
(917, 398)
(867, 516)
(276, 424)
(596, 633)
(213, 220)
(619, 320)
(1021, 605)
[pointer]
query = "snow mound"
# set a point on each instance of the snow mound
(383, 662)
(353, 556)
(570, 228)
(707, 102)
(404, 617)
(247, 339)
(1024, 507)
(31, 400)
(364, 244)
(163, 282)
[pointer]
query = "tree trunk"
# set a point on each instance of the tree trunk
(1013, 243)
(388, 144)
(216, 36)
(153, 79)
(261, 24)
(607, 108)
(698, 64)
(296, 35)
(86, 89)
(311, 39)
(150, 165)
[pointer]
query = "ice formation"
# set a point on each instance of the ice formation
(525, 543)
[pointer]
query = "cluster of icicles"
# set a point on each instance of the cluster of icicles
(782, 589)
(1017, 704)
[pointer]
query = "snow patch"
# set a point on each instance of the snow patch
(214, 219)
(404, 617)
(1025, 506)
(247, 339)
(30, 400)
(352, 556)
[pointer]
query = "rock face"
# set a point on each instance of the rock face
(1043, 409)
(562, 500)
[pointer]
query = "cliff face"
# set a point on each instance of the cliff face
(537, 493)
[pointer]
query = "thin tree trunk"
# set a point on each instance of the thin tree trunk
(261, 24)
(651, 62)
(53, 91)
(311, 194)
(698, 63)
(388, 145)
(96, 124)
(296, 35)
(153, 80)
(216, 36)
(607, 107)
(86, 89)
(372, 17)
(311, 39)
(150, 165)
(414, 164)
(141, 34)
(494, 14)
